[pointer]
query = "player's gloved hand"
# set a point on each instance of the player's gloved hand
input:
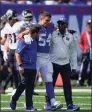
(27, 39)
(3, 21)
(5, 56)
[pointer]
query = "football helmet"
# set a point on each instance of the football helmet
(27, 15)
(11, 14)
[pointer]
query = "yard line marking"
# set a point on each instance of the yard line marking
(37, 108)
(41, 96)
(6, 108)
(61, 90)
(63, 96)
(56, 91)
(44, 102)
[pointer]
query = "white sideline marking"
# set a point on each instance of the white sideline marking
(6, 108)
(61, 90)
(77, 97)
(56, 91)
(43, 103)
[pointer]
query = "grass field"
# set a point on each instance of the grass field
(81, 97)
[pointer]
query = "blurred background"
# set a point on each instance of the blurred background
(77, 13)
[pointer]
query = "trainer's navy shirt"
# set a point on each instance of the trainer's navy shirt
(28, 53)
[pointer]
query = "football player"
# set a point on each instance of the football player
(3, 20)
(8, 34)
(44, 65)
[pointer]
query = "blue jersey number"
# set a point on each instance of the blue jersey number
(43, 41)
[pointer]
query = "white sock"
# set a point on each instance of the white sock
(52, 101)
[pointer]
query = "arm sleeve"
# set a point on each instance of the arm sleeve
(20, 47)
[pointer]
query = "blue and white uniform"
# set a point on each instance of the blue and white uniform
(44, 65)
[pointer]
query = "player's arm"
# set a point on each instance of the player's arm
(6, 45)
(25, 36)
(3, 37)
(6, 49)
(2, 40)
(25, 32)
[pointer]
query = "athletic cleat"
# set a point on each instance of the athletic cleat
(47, 106)
(34, 93)
(72, 107)
(31, 109)
(13, 105)
(57, 105)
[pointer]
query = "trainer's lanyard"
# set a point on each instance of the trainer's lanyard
(88, 38)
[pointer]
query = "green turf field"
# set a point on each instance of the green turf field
(81, 97)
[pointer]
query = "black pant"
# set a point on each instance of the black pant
(11, 59)
(1, 58)
(83, 72)
(27, 84)
(12, 77)
(65, 71)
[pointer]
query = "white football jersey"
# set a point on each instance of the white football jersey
(3, 34)
(12, 36)
(11, 32)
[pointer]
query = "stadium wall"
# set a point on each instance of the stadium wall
(77, 15)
